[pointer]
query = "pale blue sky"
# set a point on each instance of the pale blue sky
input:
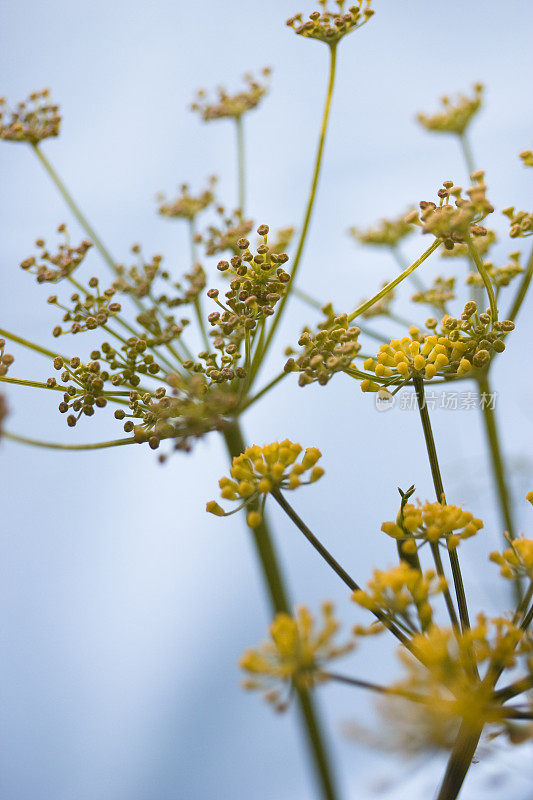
(124, 605)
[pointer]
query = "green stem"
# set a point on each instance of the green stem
(405, 274)
(279, 602)
(522, 290)
(241, 163)
(311, 197)
(497, 465)
(400, 260)
(460, 761)
(30, 345)
(69, 200)
(478, 261)
(264, 390)
(58, 446)
(197, 302)
(467, 153)
(441, 497)
(333, 563)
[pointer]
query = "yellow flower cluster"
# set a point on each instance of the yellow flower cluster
(294, 655)
(454, 223)
(455, 115)
(395, 591)
(451, 352)
(186, 205)
(331, 26)
(259, 470)
(430, 522)
(500, 276)
(387, 232)
(31, 121)
(332, 349)
(517, 560)
(446, 685)
(440, 293)
(527, 158)
(232, 105)
(521, 222)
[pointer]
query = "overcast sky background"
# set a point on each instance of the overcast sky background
(125, 606)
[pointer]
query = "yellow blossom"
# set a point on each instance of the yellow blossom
(395, 592)
(260, 470)
(293, 657)
(387, 232)
(431, 522)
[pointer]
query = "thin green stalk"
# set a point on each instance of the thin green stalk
(197, 303)
(441, 497)
(241, 164)
(392, 284)
(467, 153)
(497, 465)
(497, 460)
(333, 563)
(30, 345)
(311, 197)
(417, 282)
(459, 761)
(58, 446)
(69, 200)
(264, 390)
(514, 689)
(279, 602)
(478, 261)
(522, 290)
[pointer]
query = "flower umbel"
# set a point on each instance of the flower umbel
(259, 470)
(449, 352)
(187, 205)
(294, 655)
(454, 223)
(31, 121)
(330, 26)
(53, 267)
(233, 105)
(386, 233)
(432, 522)
(455, 115)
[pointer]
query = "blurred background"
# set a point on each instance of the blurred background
(125, 606)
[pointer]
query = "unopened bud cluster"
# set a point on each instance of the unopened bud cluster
(51, 268)
(330, 26)
(258, 283)
(386, 233)
(233, 105)
(330, 350)
(499, 276)
(455, 115)
(187, 205)
(520, 222)
(31, 121)
(455, 223)
(87, 312)
(438, 294)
